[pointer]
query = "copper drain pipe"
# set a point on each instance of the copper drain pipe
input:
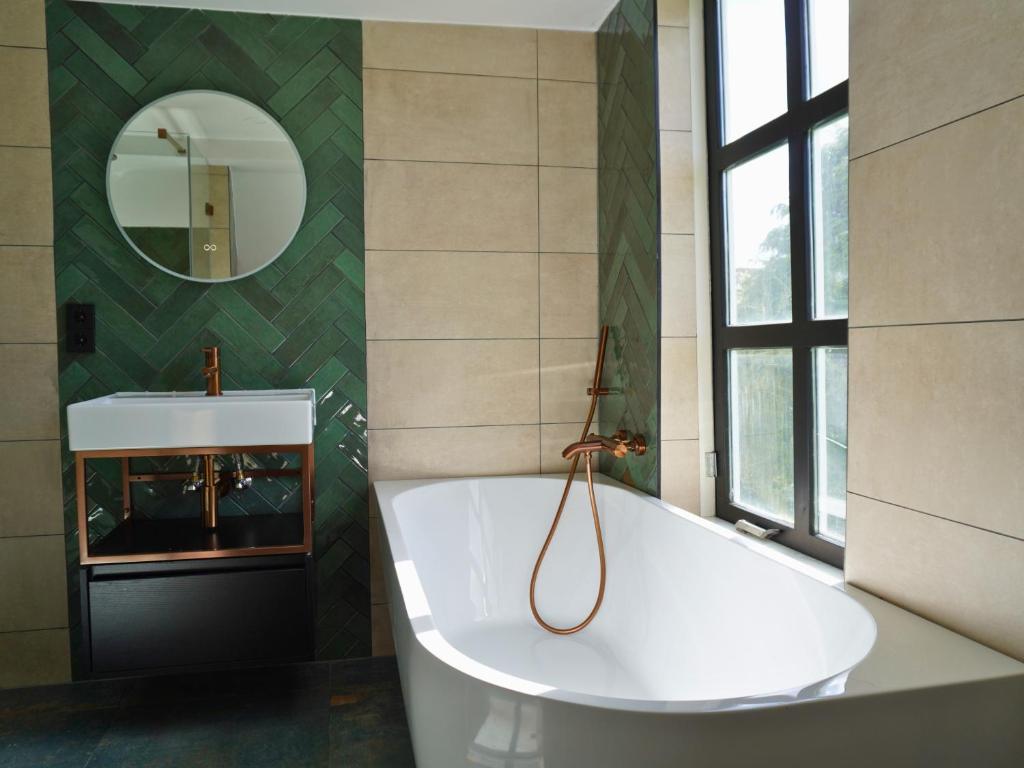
(595, 392)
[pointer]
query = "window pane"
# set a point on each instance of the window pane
(830, 365)
(761, 431)
(757, 239)
(753, 64)
(828, 23)
(830, 168)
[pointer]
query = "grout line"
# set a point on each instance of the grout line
(937, 127)
(938, 322)
(480, 162)
(32, 536)
(26, 146)
(24, 631)
(491, 338)
(534, 78)
(476, 250)
(939, 517)
(24, 47)
(540, 310)
(473, 426)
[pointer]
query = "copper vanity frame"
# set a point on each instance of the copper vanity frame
(304, 472)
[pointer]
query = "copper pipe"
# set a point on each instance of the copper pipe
(211, 371)
(210, 493)
(618, 445)
(595, 392)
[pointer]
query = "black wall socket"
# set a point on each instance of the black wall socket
(80, 328)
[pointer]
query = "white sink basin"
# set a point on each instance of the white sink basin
(192, 420)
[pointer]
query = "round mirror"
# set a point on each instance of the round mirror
(206, 186)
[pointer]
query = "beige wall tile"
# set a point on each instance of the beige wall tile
(674, 13)
(680, 474)
(674, 79)
(568, 215)
(450, 48)
(451, 383)
(27, 305)
(444, 295)
(553, 440)
(937, 420)
(26, 197)
(383, 644)
(568, 295)
(413, 454)
(936, 229)
(676, 182)
(30, 488)
(23, 22)
(566, 370)
(28, 392)
(455, 118)
(568, 123)
(450, 206)
(969, 580)
(32, 583)
(679, 389)
(567, 55)
(908, 64)
(378, 586)
(678, 286)
(39, 657)
(25, 118)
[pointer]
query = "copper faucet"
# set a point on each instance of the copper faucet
(618, 445)
(211, 371)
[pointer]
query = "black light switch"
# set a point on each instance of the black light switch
(80, 328)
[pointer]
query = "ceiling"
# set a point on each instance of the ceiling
(545, 14)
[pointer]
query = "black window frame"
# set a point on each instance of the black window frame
(803, 333)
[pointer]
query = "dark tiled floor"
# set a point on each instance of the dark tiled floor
(326, 715)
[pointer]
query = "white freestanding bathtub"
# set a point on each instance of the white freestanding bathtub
(710, 649)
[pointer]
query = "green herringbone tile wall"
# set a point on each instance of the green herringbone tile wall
(298, 323)
(628, 231)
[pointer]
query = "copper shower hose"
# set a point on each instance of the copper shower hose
(595, 392)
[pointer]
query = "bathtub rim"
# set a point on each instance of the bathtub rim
(432, 640)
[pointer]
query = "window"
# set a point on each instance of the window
(778, 136)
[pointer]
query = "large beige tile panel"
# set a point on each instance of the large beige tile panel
(39, 657)
(568, 123)
(381, 640)
(678, 286)
(969, 580)
(568, 295)
(674, 79)
(918, 64)
(27, 304)
(28, 392)
(25, 118)
(566, 370)
(378, 586)
(937, 420)
(26, 197)
(451, 383)
(567, 55)
(444, 295)
(449, 48)
(32, 583)
(676, 182)
(23, 22)
(679, 389)
(674, 13)
(450, 206)
(568, 215)
(936, 225)
(30, 488)
(413, 454)
(455, 118)
(680, 474)
(553, 440)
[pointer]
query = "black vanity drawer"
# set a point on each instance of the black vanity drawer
(153, 621)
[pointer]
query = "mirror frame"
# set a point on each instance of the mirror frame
(209, 280)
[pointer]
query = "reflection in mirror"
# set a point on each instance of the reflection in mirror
(206, 185)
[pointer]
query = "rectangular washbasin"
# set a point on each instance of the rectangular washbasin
(140, 420)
